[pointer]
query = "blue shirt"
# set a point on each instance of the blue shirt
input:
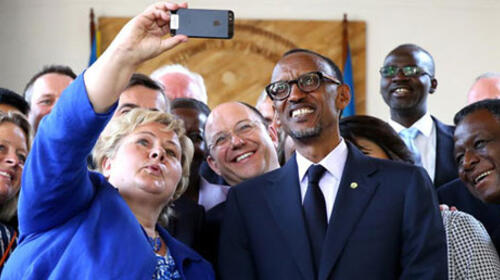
(73, 224)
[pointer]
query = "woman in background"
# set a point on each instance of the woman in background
(15, 141)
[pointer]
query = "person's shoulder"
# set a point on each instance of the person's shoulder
(461, 225)
(395, 168)
(443, 128)
(454, 187)
(261, 181)
(461, 220)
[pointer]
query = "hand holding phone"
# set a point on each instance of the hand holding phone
(200, 23)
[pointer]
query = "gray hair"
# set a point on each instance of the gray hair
(488, 75)
(177, 68)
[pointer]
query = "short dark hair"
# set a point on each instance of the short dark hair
(15, 100)
(328, 61)
(491, 105)
(139, 79)
(256, 112)
(416, 48)
(58, 69)
(190, 103)
(377, 131)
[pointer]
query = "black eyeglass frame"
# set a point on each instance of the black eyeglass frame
(322, 77)
(419, 71)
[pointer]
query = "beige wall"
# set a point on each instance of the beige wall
(462, 35)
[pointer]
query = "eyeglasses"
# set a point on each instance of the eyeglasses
(408, 71)
(308, 82)
(241, 129)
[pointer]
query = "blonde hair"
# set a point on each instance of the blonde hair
(119, 127)
(8, 209)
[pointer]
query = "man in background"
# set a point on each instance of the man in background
(44, 89)
(142, 92)
(486, 86)
(455, 193)
(285, 145)
(407, 79)
(240, 147)
(11, 101)
(178, 81)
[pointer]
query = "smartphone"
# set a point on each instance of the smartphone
(200, 23)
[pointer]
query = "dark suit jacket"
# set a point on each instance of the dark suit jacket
(211, 233)
(455, 193)
(388, 227)
(187, 223)
(446, 167)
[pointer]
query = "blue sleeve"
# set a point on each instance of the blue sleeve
(424, 254)
(55, 183)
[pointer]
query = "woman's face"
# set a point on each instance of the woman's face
(371, 149)
(147, 165)
(13, 152)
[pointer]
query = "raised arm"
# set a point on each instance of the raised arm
(139, 40)
(56, 184)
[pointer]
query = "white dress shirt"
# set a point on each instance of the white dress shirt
(425, 141)
(211, 194)
(334, 164)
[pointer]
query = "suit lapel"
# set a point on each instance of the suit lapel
(444, 154)
(355, 192)
(285, 202)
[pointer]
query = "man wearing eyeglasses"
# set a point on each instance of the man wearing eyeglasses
(407, 79)
(241, 146)
(330, 212)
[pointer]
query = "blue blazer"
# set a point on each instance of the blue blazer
(446, 167)
(388, 227)
(73, 223)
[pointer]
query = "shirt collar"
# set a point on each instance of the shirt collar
(424, 125)
(334, 162)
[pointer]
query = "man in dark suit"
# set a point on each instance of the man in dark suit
(477, 151)
(407, 78)
(362, 218)
(241, 146)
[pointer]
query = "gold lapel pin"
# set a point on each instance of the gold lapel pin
(354, 185)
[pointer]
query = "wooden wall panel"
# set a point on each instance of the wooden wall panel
(240, 68)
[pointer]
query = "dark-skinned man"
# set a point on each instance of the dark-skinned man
(330, 212)
(407, 79)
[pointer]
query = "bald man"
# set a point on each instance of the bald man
(486, 86)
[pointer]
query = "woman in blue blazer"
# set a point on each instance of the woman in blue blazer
(79, 224)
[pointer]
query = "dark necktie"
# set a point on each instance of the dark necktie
(315, 212)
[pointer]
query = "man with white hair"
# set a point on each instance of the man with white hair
(178, 81)
(486, 86)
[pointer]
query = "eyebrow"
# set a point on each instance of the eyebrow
(45, 95)
(128, 105)
(7, 142)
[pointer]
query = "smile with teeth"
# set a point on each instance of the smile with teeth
(243, 156)
(302, 111)
(401, 90)
(6, 175)
(482, 176)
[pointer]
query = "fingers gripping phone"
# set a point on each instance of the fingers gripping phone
(199, 23)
